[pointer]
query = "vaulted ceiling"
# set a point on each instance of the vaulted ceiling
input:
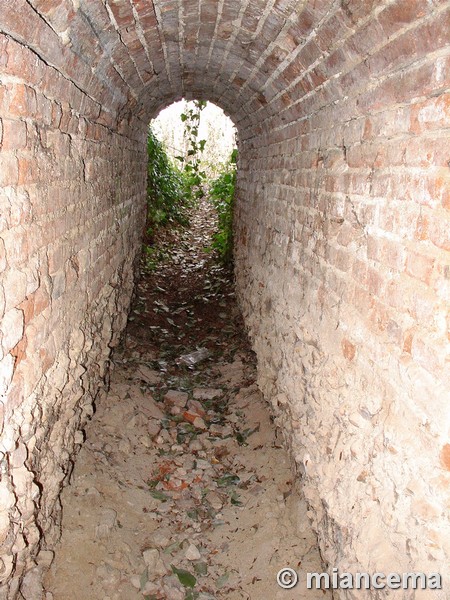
(252, 57)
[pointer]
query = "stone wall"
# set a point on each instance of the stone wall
(71, 218)
(343, 272)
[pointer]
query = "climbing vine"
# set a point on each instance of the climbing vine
(195, 176)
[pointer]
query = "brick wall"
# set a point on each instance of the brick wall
(343, 270)
(342, 257)
(71, 218)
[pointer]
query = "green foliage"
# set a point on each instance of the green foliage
(222, 196)
(194, 175)
(166, 197)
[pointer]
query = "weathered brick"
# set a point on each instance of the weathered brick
(420, 266)
(15, 286)
(14, 135)
(12, 326)
(22, 101)
(440, 232)
(9, 169)
(342, 214)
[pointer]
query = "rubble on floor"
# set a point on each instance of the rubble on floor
(182, 489)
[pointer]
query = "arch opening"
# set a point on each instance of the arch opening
(216, 129)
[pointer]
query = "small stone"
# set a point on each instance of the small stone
(203, 464)
(195, 446)
(206, 393)
(188, 463)
(199, 423)
(132, 423)
(227, 430)
(109, 575)
(136, 582)
(164, 436)
(125, 446)
(215, 429)
(153, 409)
(173, 593)
(148, 375)
(177, 448)
(31, 587)
(176, 398)
(145, 441)
(196, 407)
(153, 427)
(161, 537)
(150, 589)
(156, 567)
(106, 524)
(45, 558)
(192, 553)
(215, 500)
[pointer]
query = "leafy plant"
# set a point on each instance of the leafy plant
(166, 194)
(222, 196)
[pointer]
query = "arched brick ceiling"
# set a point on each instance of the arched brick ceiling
(141, 55)
(257, 59)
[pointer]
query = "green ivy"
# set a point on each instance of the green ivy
(222, 196)
(167, 200)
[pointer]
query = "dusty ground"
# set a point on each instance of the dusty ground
(182, 490)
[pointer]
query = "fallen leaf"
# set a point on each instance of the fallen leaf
(185, 578)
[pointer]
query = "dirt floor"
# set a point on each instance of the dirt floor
(182, 489)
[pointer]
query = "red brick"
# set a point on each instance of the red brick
(41, 300)
(433, 113)
(14, 135)
(401, 13)
(362, 300)
(28, 171)
(445, 456)
(392, 254)
(374, 282)
(22, 101)
(379, 317)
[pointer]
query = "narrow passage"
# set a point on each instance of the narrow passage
(182, 489)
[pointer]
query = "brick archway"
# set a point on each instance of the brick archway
(342, 255)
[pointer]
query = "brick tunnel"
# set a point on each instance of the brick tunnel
(342, 244)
